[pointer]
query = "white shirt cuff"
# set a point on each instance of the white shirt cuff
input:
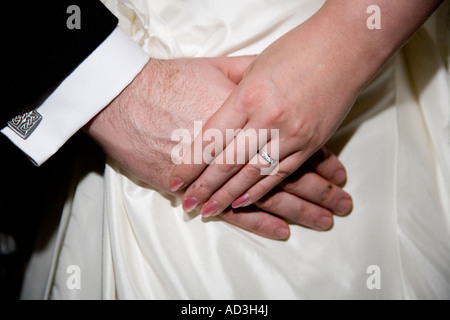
(84, 93)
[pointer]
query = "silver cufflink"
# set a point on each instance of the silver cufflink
(24, 125)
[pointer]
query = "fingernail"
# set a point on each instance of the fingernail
(344, 206)
(324, 223)
(340, 176)
(282, 233)
(175, 184)
(209, 208)
(241, 201)
(190, 204)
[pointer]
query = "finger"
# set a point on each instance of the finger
(297, 210)
(310, 187)
(252, 173)
(242, 178)
(234, 67)
(316, 189)
(196, 158)
(223, 168)
(259, 222)
(267, 183)
(224, 196)
(193, 162)
(327, 164)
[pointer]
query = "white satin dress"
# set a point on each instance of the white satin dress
(132, 242)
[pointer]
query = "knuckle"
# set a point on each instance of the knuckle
(201, 188)
(299, 215)
(259, 223)
(300, 127)
(304, 133)
(228, 169)
(326, 193)
(253, 96)
(227, 194)
(275, 115)
(252, 172)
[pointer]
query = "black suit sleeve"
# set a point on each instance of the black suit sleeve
(40, 50)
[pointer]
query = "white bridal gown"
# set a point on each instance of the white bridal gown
(119, 240)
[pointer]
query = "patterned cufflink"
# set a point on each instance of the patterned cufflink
(24, 125)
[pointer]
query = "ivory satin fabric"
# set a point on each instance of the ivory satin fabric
(132, 242)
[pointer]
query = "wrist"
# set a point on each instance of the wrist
(368, 48)
(359, 52)
(128, 134)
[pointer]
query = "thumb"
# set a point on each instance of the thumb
(235, 67)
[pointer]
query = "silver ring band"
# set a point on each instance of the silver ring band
(268, 158)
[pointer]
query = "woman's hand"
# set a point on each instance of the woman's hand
(292, 98)
(295, 87)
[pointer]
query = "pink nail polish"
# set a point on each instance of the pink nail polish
(175, 184)
(209, 208)
(190, 204)
(241, 201)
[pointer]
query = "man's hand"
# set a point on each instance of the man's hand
(135, 131)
